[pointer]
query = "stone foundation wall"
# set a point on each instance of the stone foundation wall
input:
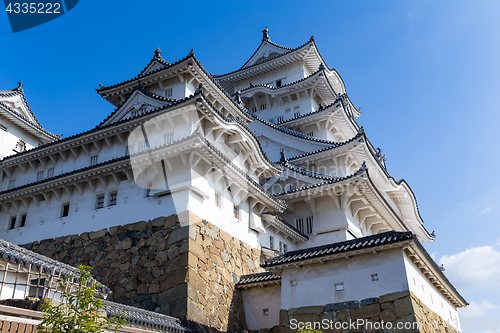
(177, 265)
(402, 308)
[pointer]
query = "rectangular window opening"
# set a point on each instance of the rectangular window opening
(113, 196)
(299, 224)
(65, 210)
(93, 160)
(271, 242)
(23, 221)
(50, 173)
(218, 199)
(309, 225)
(278, 83)
(12, 183)
(236, 211)
(12, 223)
(263, 107)
(99, 201)
(169, 137)
(39, 176)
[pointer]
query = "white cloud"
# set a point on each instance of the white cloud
(486, 210)
(483, 309)
(476, 269)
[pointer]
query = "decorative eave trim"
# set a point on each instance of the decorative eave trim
(228, 76)
(285, 227)
(273, 168)
(35, 128)
(97, 131)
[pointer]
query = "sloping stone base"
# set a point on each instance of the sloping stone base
(177, 265)
(403, 310)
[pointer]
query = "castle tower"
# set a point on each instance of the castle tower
(251, 200)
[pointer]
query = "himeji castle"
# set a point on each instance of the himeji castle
(249, 200)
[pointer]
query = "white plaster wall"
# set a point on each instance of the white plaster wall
(9, 138)
(316, 282)
(255, 300)
(288, 74)
(428, 294)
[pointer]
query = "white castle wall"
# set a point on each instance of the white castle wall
(428, 294)
(355, 273)
(255, 300)
(10, 137)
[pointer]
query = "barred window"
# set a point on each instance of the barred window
(50, 173)
(113, 196)
(39, 176)
(100, 201)
(93, 160)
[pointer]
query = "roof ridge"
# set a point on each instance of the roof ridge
(269, 59)
(361, 132)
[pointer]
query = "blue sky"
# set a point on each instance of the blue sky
(425, 74)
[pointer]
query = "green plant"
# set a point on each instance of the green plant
(308, 330)
(80, 311)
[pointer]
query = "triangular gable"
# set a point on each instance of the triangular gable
(265, 51)
(16, 100)
(156, 63)
(136, 104)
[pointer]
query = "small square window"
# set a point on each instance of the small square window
(93, 160)
(293, 282)
(278, 83)
(265, 312)
(65, 210)
(12, 223)
(50, 173)
(39, 176)
(99, 201)
(374, 277)
(339, 286)
(113, 196)
(23, 221)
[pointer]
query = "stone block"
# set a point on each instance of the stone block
(366, 312)
(187, 217)
(225, 236)
(342, 306)
(393, 296)
(172, 294)
(138, 226)
(158, 222)
(316, 310)
(123, 245)
(403, 307)
(177, 235)
(407, 324)
(171, 221)
(284, 318)
(98, 234)
(387, 316)
(310, 318)
(368, 301)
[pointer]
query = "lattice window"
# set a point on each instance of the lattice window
(113, 198)
(50, 173)
(12, 183)
(39, 176)
(100, 201)
(168, 138)
(93, 160)
(309, 225)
